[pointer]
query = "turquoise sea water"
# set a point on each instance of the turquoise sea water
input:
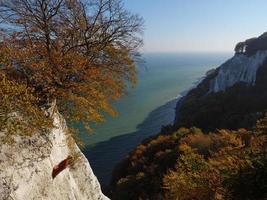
(150, 105)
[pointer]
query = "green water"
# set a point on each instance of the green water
(147, 107)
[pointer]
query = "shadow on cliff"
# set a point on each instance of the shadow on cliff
(105, 155)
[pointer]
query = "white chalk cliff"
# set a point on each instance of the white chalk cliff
(26, 168)
(240, 68)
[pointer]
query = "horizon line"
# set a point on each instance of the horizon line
(168, 52)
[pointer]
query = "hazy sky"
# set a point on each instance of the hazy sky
(199, 25)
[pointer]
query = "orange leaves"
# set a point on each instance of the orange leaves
(84, 90)
(80, 54)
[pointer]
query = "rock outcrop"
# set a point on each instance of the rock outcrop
(26, 168)
(232, 96)
(240, 68)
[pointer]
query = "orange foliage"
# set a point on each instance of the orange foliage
(83, 60)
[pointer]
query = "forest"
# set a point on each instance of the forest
(190, 164)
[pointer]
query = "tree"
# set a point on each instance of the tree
(80, 52)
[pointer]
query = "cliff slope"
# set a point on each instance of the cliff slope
(233, 96)
(26, 168)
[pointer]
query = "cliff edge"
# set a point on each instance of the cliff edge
(232, 96)
(26, 168)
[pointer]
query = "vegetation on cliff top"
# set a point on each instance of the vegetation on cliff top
(252, 45)
(81, 53)
(18, 113)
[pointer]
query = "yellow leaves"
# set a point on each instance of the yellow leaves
(19, 112)
(192, 165)
(201, 175)
(140, 175)
(185, 148)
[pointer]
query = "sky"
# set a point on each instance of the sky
(199, 25)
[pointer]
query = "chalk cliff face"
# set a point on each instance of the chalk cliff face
(232, 96)
(240, 68)
(26, 168)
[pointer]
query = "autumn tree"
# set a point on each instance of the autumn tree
(81, 53)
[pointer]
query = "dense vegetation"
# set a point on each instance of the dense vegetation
(18, 113)
(188, 164)
(80, 53)
(252, 45)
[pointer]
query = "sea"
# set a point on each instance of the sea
(162, 79)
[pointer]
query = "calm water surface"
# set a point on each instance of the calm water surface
(147, 107)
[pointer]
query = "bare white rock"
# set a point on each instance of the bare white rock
(240, 68)
(26, 169)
